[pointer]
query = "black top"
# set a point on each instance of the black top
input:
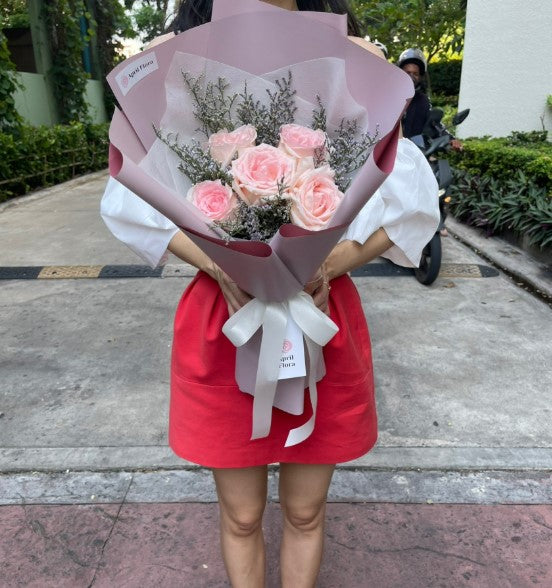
(416, 115)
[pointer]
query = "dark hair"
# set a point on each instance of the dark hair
(193, 13)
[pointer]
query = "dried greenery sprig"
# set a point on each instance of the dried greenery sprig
(259, 222)
(196, 163)
(319, 116)
(348, 152)
(213, 107)
(268, 119)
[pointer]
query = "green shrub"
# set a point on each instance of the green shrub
(512, 202)
(500, 158)
(506, 184)
(38, 157)
(444, 77)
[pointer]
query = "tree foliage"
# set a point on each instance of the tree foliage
(113, 25)
(435, 26)
(151, 17)
(9, 117)
(14, 14)
(67, 43)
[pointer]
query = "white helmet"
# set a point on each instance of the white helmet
(378, 44)
(413, 56)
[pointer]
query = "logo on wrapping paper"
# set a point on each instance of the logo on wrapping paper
(292, 360)
(288, 346)
(136, 71)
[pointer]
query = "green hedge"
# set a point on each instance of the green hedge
(506, 184)
(500, 158)
(37, 157)
(444, 77)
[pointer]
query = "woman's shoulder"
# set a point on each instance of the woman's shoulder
(368, 46)
(158, 40)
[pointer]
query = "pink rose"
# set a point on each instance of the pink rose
(223, 145)
(301, 141)
(213, 199)
(258, 170)
(315, 199)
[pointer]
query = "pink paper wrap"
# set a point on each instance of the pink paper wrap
(253, 41)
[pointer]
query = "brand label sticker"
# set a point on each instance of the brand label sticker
(136, 71)
(292, 362)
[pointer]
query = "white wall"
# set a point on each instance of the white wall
(31, 100)
(94, 97)
(507, 67)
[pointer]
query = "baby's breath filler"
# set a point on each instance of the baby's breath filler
(319, 118)
(259, 222)
(268, 119)
(348, 152)
(212, 106)
(196, 163)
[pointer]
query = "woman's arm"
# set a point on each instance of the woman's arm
(344, 257)
(348, 255)
(184, 248)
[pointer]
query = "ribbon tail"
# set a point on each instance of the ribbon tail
(299, 434)
(274, 324)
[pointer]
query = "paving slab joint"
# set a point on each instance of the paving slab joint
(526, 274)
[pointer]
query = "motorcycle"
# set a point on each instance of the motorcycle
(436, 140)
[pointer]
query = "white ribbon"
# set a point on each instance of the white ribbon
(317, 330)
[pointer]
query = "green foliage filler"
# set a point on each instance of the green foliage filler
(44, 156)
(444, 77)
(501, 185)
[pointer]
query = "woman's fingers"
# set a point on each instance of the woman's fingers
(319, 288)
(321, 296)
(314, 284)
(235, 297)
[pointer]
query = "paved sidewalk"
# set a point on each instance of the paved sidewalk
(458, 491)
(367, 545)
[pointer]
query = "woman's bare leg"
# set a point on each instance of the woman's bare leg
(303, 492)
(242, 499)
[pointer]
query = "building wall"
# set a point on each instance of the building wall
(507, 67)
(36, 101)
(94, 98)
(31, 102)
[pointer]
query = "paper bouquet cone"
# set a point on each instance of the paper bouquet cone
(248, 41)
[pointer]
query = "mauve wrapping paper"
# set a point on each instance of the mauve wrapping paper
(257, 38)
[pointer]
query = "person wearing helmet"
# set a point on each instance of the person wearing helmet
(413, 63)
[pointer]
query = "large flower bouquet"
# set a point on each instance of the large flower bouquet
(294, 119)
(256, 169)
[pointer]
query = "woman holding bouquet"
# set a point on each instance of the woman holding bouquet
(210, 419)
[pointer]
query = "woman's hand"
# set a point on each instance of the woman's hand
(319, 288)
(235, 297)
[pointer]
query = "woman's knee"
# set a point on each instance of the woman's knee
(305, 518)
(242, 522)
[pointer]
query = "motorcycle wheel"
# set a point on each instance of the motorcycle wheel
(430, 263)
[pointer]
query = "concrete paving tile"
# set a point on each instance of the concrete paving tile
(52, 546)
(64, 488)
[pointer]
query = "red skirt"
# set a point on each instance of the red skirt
(210, 418)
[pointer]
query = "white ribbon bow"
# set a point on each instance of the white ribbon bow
(317, 330)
